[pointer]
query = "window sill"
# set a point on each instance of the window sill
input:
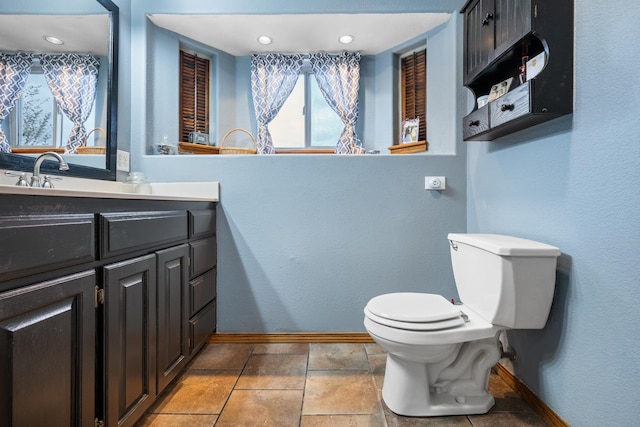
(187, 147)
(411, 147)
(305, 151)
(36, 150)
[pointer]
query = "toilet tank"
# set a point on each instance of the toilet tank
(507, 280)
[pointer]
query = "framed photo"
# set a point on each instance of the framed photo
(410, 130)
(500, 89)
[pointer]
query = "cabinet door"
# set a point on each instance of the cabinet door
(512, 23)
(47, 353)
(173, 319)
(478, 37)
(129, 339)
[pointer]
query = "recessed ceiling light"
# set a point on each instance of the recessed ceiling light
(53, 40)
(264, 40)
(346, 39)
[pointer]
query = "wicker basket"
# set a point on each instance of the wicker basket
(83, 149)
(238, 150)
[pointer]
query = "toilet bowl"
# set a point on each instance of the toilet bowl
(439, 355)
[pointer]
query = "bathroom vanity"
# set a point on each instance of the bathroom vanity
(103, 300)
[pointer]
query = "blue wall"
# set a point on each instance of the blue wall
(574, 183)
(305, 241)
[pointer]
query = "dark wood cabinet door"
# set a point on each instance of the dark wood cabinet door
(172, 313)
(130, 339)
(478, 37)
(512, 23)
(47, 353)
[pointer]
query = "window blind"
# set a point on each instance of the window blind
(414, 89)
(194, 94)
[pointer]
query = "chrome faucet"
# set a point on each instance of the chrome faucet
(35, 179)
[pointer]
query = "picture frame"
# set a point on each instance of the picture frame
(410, 130)
(500, 89)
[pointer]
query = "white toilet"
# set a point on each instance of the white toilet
(439, 355)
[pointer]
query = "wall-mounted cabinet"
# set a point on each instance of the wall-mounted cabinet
(500, 36)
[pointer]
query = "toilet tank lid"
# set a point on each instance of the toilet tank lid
(505, 245)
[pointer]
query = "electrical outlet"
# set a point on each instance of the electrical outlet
(122, 161)
(435, 183)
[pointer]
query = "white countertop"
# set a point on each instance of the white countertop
(76, 187)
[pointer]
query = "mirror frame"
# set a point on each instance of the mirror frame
(20, 162)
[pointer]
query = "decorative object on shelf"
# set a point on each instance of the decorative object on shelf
(410, 130)
(500, 89)
(238, 150)
(483, 100)
(199, 138)
(523, 70)
(535, 65)
(164, 147)
(84, 149)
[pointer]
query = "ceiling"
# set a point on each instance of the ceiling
(80, 33)
(237, 34)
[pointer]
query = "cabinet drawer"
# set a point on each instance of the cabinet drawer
(476, 122)
(202, 290)
(510, 106)
(126, 232)
(202, 223)
(203, 255)
(35, 244)
(201, 326)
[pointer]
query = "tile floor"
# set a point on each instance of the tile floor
(306, 385)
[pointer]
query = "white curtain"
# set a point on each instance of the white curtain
(338, 77)
(73, 79)
(273, 77)
(14, 72)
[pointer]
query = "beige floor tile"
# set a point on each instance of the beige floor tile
(274, 371)
(394, 420)
(371, 420)
(222, 356)
(281, 348)
(340, 392)
(250, 408)
(374, 348)
(377, 363)
(337, 356)
(175, 420)
(199, 392)
(508, 419)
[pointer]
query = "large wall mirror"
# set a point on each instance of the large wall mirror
(83, 27)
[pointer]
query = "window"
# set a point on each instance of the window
(194, 94)
(413, 89)
(36, 120)
(306, 119)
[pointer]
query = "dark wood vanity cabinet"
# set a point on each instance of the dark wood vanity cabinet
(130, 293)
(47, 352)
(172, 313)
(119, 297)
(499, 37)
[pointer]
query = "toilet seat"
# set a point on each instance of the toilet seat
(414, 311)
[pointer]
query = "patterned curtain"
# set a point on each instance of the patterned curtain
(14, 71)
(338, 77)
(73, 79)
(273, 77)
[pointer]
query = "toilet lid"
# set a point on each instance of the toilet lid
(413, 307)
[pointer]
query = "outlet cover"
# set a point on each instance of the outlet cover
(122, 161)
